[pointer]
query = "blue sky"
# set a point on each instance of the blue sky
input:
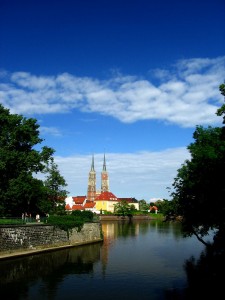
(130, 79)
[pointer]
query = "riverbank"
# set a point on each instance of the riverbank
(128, 218)
(20, 253)
(25, 236)
(19, 240)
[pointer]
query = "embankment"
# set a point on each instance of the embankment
(27, 239)
(125, 218)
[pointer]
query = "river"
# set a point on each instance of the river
(137, 260)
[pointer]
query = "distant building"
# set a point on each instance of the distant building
(130, 201)
(104, 178)
(97, 201)
(91, 190)
(106, 201)
(154, 209)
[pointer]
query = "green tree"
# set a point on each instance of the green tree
(20, 191)
(168, 208)
(143, 205)
(54, 188)
(199, 189)
(122, 208)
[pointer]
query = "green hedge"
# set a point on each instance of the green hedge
(75, 219)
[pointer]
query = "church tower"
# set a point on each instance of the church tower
(104, 178)
(91, 192)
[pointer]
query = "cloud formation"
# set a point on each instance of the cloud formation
(186, 95)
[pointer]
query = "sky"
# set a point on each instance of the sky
(130, 79)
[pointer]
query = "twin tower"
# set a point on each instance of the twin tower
(91, 192)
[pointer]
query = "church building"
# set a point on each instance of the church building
(91, 191)
(97, 201)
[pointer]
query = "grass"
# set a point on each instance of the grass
(11, 221)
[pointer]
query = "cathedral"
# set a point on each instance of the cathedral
(97, 201)
(91, 191)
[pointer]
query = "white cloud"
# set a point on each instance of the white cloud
(142, 175)
(188, 94)
(50, 130)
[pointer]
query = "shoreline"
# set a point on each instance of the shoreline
(25, 252)
(125, 218)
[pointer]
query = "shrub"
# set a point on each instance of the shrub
(86, 215)
(68, 222)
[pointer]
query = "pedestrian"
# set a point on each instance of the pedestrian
(46, 219)
(23, 217)
(37, 217)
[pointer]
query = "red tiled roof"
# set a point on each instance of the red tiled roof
(106, 196)
(77, 207)
(130, 200)
(153, 207)
(89, 204)
(79, 199)
(68, 207)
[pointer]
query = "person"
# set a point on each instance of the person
(26, 216)
(47, 215)
(37, 217)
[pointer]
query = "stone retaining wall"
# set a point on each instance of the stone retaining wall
(35, 236)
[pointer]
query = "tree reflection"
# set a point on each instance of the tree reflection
(204, 275)
(50, 268)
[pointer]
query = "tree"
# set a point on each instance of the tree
(20, 191)
(199, 189)
(143, 205)
(122, 208)
(54, 187)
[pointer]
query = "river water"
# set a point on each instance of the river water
(137, 260)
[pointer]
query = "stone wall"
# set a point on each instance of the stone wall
(37, 236)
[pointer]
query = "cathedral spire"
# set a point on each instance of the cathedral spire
(91, 191)
(92, 164)
(104, 164)
(104, 178)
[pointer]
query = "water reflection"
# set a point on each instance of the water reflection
(137, 260)
(127, 229)
(17, 274)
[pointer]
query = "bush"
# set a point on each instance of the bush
(11, 221)
(86, 215)
(75, 220)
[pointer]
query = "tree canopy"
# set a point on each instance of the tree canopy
(54, 186)
(199, 189)
(122, 208)
(20, 190)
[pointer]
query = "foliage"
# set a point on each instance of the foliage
(86, 215)
(206, 272)
(168, 208)
(54, 187)
(199, 189)
(20, 161)
(106, 212)
(68, 222)
(122, 208)
(221, 110)
(15, 221)
(143, 205)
